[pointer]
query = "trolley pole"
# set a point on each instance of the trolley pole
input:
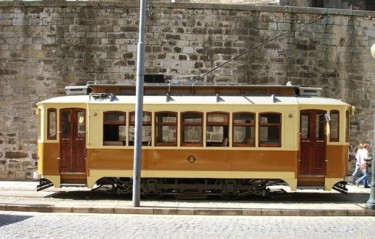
(139, 108)
(371, 201)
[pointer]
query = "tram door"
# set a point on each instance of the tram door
(313, 143)
(72, 145)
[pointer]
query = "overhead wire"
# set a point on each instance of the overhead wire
(256, 47)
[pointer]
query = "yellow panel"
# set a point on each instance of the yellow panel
(329, 182)
(277, 161)
(290, 130)
(55, 180)
(110, 159)
(40, 158)
(337, 164)
(95, 128)
(208, 159)
(218, 174)
(48, 164)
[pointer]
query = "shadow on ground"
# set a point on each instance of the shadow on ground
(11, 219)
(292, 197)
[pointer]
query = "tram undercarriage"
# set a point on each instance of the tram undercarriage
(191, 188)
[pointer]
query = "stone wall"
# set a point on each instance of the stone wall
(47, 45)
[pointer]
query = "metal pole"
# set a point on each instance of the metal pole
(139, 108)
(371, 201)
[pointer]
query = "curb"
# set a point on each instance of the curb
(185, 211)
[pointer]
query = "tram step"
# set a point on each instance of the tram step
(73, 185)
(310, 187)
(341, 187)
(43, 184)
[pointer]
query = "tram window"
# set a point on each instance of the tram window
(243, 129)
(80, 127)
(51, 123)
(65, 124)
(305, 129)
(270, 130)
(334, 126)
(320, 123)
(114, 128)
(166, 128)
(146, 129)
(192, 125)
(217, 130)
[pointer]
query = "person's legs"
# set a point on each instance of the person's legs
(355, 173)
(365, 181)
(363, 178)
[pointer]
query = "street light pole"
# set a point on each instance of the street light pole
(139, 108)
(371, 201)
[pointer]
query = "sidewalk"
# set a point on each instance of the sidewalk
(22, 196)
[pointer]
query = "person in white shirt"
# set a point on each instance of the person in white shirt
(363, 155)
(357, 163)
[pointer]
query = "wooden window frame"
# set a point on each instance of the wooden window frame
(308, 130)
(119, 123)
(263, 144)
(184, 124)
(253, 125)
(161, 124)
(337, 139)
(80, 126)
(113, 122)
(49, 136)
(144, 123)
(225, 123)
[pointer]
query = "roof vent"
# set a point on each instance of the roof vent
(309, 91)
(76, 90)
(103, 96)
(99, 96)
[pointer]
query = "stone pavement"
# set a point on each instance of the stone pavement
(22, 196)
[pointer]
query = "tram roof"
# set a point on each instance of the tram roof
(196, 100)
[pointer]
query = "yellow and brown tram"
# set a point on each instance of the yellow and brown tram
(225, 140)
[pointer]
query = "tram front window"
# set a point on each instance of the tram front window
(51, 120)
